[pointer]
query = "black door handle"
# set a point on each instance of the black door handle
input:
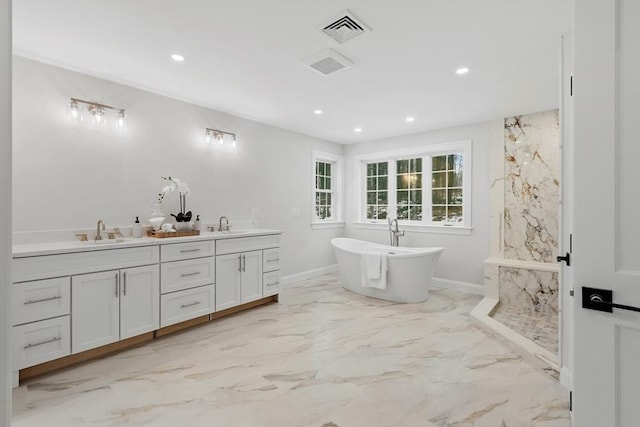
(602, 300)
(566, 258)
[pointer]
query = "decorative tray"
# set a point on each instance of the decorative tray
(164, 234)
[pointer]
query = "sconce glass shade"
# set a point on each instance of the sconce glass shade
(98, 115)
(222, 137)
(74, 112)
(121, 121)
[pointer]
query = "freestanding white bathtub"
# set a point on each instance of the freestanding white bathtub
(409, 269)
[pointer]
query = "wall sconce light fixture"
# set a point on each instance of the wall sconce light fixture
(97, 112)
(215, 135)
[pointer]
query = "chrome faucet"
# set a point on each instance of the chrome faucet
(394, 232)
(226, 227)
(100, 223)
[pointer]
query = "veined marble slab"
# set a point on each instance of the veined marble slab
(532, 179)
(532, 289)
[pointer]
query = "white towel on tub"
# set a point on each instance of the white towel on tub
(373, 270)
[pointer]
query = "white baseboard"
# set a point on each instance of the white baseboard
(471, 288)
(306, 275)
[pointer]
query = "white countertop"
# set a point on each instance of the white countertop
(65, 247)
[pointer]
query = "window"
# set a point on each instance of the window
(324, 194)
(424, 187)
(327, 190)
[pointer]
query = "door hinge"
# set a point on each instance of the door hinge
(570, 400)
(571, 86)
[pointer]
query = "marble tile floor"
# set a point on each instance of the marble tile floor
(541, 328)
(321, 357)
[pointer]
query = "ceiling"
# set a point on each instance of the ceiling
(246, 57)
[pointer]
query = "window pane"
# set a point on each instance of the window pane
(415, 165)
(371, 169)
(439, 180)
(321, 170)
(403, 212)
(327, 169)
(382, 183)
(323, 183)
(403, 166)
(439, 163)
(415, 213)
(438, 213)
(403, 197)
(415, 197)
(317, 168)
(416, 180)
(382, 197)
(439, 197)
(371, 197)
(329, 199)
(382, 168)
(382, 212)
(455, 197)
(327, 183)
(403, 181)
(328, 212)
(455, 179)
(455, 213)
(323, 198)
(371, 213)
(457, 162)
(371, 183)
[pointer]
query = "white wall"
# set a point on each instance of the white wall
(464, 254)
(68, 176)
(5, 212)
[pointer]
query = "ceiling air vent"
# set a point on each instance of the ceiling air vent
(328, 62)
(345, 27)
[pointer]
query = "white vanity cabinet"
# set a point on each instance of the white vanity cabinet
(240, 267)
(114, 305)
(239, 279)
(187, 281)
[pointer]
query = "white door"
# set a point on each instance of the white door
(251, 277)
(95, 310)
(139, 300)
(228, 281)
(606, 243)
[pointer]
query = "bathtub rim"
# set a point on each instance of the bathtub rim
(408, 252)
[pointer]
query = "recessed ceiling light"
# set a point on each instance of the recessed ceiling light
(357, 130)
(317, 112)
(177, 57)
(410, 118)
(462, 70)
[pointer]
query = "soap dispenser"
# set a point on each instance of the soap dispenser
(137, 228)
(196, 223)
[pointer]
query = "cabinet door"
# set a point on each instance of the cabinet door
(251, 276)
(139, 300)
(95, 317)
(227, 281)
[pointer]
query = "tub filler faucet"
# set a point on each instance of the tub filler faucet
(394, 232)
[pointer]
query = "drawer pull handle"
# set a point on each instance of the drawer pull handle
(273, 284)
(42, 342)
(195, 273)
(273, 259)
(190, 304)
(190, 250)
(35, 301)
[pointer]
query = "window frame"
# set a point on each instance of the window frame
(425, 152)
(337, 172)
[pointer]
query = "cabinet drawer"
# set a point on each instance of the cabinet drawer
(179, 275)
(40, 342)
(43, 299)
(245, 244)
(184, 305)
(188, 250)
(270, 283)
(271, 260)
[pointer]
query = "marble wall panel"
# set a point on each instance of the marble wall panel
(532, 178)
(533, 289)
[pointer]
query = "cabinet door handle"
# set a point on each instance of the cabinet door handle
(240, 263)
(35, 301)
(117, 284)
(190, 304)
(244, 263)
(195, 273)
(273, 284)
(124, 284)
(54, 339)
(183, 251)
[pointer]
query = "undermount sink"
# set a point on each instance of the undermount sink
(104, 241)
